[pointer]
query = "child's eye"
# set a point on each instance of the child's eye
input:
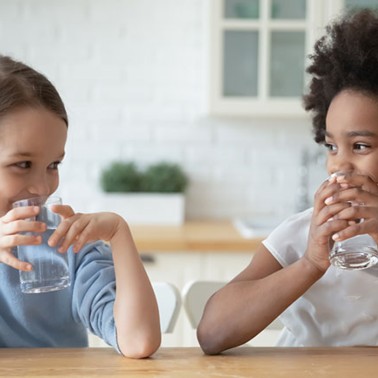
(23, 164)
(361, 146)
(330, 147)
(55, 165)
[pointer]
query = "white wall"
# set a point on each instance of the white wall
(134, 77)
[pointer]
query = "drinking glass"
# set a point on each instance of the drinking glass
(357, 252)
(50, 268)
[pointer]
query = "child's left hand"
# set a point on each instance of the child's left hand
(78, 229)
(362, 192)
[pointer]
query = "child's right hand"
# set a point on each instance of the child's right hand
(321, 229)
(12, 225)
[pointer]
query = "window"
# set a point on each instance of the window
(258, 56)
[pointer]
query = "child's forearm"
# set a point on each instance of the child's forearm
(242, 309)
(135, 310)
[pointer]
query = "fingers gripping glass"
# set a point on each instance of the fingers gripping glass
(357, 252)
(50, 268)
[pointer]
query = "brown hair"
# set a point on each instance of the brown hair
(21, 85)
(345, 58)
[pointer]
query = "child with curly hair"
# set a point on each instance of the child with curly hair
(290, 276)
(110, 293)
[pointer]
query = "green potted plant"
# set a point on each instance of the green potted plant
(121, 177)
(154, 195)
(164, 178)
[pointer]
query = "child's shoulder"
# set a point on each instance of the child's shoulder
(288, 241)
(298, 219)
(294, 222)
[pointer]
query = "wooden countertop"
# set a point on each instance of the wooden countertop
(257, 362)
(192, 236)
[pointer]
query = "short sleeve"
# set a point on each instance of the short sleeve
(288, 242)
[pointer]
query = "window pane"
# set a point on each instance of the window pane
(288, 9)
(241, 9)
(240, 63)
(357, 4)
(287, 64)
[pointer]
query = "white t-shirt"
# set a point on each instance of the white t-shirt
(341, 309)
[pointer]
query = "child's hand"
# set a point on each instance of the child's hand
(12, 224)
(79, 229)
(325, 223)
(360, 192)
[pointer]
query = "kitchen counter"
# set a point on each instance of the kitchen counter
(193, 236)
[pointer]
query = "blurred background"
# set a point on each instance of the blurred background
(214, 86)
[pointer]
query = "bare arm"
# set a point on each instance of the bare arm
(135, 309)
(252, 300)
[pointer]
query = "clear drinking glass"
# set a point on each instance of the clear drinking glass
(357, 252)
(50, 268)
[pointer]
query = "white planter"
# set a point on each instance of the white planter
(145, 208)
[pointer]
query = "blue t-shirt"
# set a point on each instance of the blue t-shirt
(61, 318)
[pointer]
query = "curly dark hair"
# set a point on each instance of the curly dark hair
(346, 57)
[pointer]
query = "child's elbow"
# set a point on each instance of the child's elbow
(208, 340)
(142, 348)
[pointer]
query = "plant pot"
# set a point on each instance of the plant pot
(145, 208)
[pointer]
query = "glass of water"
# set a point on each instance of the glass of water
(50, 268)
(357, 252)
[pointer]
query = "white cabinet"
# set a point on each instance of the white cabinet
(258, 55)
(335, 6)
(259, 52)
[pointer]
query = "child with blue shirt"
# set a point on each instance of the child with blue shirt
(110, 293)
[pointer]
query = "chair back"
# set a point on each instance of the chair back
(195, 294)
(169, 302)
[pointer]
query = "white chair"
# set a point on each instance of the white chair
(194, 297)
(169, 302)
(195, 294)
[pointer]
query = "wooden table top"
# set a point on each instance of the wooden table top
(192, 236)
(191, 362)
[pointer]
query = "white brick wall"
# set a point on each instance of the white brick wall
(134, 77)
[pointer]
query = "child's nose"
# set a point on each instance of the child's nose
(343, 168)
(39, 186)
(341, 163)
